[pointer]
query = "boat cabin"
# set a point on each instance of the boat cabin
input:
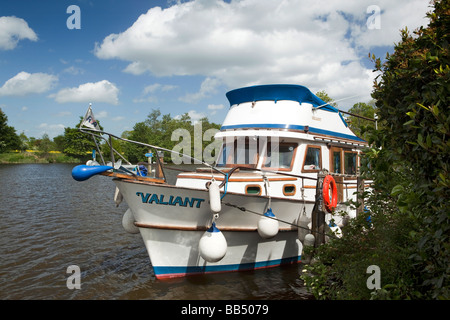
(283, 135)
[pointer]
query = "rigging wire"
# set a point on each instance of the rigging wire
(275, 218)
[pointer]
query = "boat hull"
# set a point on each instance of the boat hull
(171, 221)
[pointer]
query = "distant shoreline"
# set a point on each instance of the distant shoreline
(35, 157)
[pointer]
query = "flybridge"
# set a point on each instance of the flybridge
(284, 107)
(276, 92)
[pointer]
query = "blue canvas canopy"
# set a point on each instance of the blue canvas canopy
(276, 92)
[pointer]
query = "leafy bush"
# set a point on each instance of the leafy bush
(408, 160)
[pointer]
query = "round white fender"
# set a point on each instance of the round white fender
(302, 223)
(213, 245)
(128, 222)
(309, 240)
(268, 226)
(118, 197)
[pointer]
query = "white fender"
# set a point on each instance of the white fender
(309, 240)
(302, 223)
(268, 227)
(118, 197)
(128, 222)
(213, 245)
(214, 197)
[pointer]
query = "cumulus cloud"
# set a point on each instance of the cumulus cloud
(319, 44)
(215, 107)
(12, 30)
(207, 88)
(25, 83)
(194, 115)
(102, 91)
(150, 91)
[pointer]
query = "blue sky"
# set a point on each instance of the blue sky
(131, 57)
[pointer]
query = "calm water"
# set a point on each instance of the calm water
(50, 221)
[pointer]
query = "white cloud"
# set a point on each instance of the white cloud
(195, 116)
(51, 129)
(148, 94)
(207, 88)
(12, 30)
(314, 43)
(73, 70)
(102, 91)
(27, 83)
(215, 107)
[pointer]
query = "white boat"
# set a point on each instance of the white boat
(253, 208)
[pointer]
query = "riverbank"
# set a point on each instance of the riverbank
(35, 157)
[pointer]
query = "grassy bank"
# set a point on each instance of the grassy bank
(35, 157)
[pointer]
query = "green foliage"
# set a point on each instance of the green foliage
(408, 160)
(359, 125)
(9, 140)
(326, 98)
(76, 143)
(159, 131)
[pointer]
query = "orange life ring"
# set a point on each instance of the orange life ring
(327, 182)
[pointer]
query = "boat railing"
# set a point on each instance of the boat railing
(95, 133)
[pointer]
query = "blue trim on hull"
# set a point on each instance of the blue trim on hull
(293, 127)
(172, 272)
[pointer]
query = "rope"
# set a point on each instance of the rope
(275, 218)
(226, 184)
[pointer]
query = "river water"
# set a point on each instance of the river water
(50, 222)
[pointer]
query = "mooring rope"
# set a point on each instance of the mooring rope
(279, 220)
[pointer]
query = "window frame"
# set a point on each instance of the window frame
(294, 153)
(320, 158)
(231, 156)
(356, 161)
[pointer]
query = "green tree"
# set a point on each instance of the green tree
(413, 97)
(9, 140)
(408, 161)
(76, 143)
(46, 144)
(158, 130)
(360, 125)
(326, 98)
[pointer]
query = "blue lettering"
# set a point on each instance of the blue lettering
(173, 201)
(190, 201)
(161, 198)
(154, 198)
(179, 201)
(199, 202)
(144, 199)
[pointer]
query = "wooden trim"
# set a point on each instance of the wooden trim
(204, 228)
(236, 179)
(127, 176)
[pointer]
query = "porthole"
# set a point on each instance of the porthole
(253, 189)
(289, 189)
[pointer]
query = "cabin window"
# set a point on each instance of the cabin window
(253, 189)
(242, 151)
(313, 159)
(350, 163)
(289, 189)
(336, 162)
(279, 156)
